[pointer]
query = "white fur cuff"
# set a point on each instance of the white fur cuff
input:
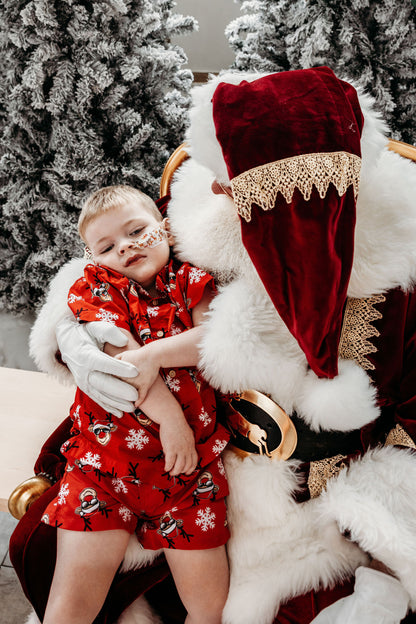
(42, 342)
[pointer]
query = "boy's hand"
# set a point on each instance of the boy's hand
(148, 368)
(178, 444)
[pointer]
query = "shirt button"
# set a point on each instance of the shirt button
(155, 302)
(160, 334)
(172, 373)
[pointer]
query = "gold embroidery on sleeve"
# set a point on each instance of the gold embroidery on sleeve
(322, 470)
(357, 328)
(261, 185)
(400, 437)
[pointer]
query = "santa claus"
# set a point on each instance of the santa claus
(291, 199)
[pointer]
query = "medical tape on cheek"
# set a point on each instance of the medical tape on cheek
(151, 239)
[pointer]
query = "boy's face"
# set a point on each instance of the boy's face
(112, 235)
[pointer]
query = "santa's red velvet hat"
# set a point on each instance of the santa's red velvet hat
(291, 143)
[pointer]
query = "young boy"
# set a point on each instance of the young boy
(158, 471)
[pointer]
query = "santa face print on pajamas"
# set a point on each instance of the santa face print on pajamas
(115, 466)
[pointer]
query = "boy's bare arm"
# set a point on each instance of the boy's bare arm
(160, 405)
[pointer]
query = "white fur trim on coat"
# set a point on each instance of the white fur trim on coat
(344, 403)
(206, 227)
(278, 548)
(385, 232)
(33, 619)
(246, 345)
(374, 500)
(136, 556)
(139, 612)
(42, 341)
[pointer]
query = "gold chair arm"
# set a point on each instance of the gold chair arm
(26, 493)
(403, 149)
(176, 159)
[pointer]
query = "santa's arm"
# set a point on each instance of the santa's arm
(72, 352)
(43, 342)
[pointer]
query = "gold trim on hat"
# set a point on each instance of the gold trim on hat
(261, 185)
(357, 328)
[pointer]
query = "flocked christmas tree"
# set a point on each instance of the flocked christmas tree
(92, 93)
(372, 42)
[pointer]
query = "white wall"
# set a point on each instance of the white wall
(14, 341)
(208, 49)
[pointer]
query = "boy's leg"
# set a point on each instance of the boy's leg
(85, 566)
(202, 580)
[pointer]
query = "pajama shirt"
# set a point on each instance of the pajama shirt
(115, 474)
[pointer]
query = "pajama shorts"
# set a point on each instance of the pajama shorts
(188, 514)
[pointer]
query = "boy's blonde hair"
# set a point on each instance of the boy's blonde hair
(110, 197)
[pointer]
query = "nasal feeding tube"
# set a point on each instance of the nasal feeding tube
(149, 239)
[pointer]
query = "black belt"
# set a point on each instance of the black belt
(316, 445)
(260, 427)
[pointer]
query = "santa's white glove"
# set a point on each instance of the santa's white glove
(378, 598)
(80, 346)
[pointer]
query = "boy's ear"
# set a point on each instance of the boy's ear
(166, 225)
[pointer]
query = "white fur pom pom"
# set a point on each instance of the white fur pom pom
(344, 403)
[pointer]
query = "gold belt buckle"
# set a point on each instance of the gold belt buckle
(260, 426)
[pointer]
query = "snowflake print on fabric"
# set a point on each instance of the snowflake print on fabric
(72, 298)
(119, 486)
(221, 468)
(152, 311)
(91, 459)
(175, 330)
(173, 384)
(205, 418)
(219, 446)
(65, 446)
(205, 519)
(125, 513)
(105, 315)
(63, 493)
(136, 439)
(76, 416)
(195, 275)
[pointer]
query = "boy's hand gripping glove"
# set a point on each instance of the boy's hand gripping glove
(378, 598)
(95, 372)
